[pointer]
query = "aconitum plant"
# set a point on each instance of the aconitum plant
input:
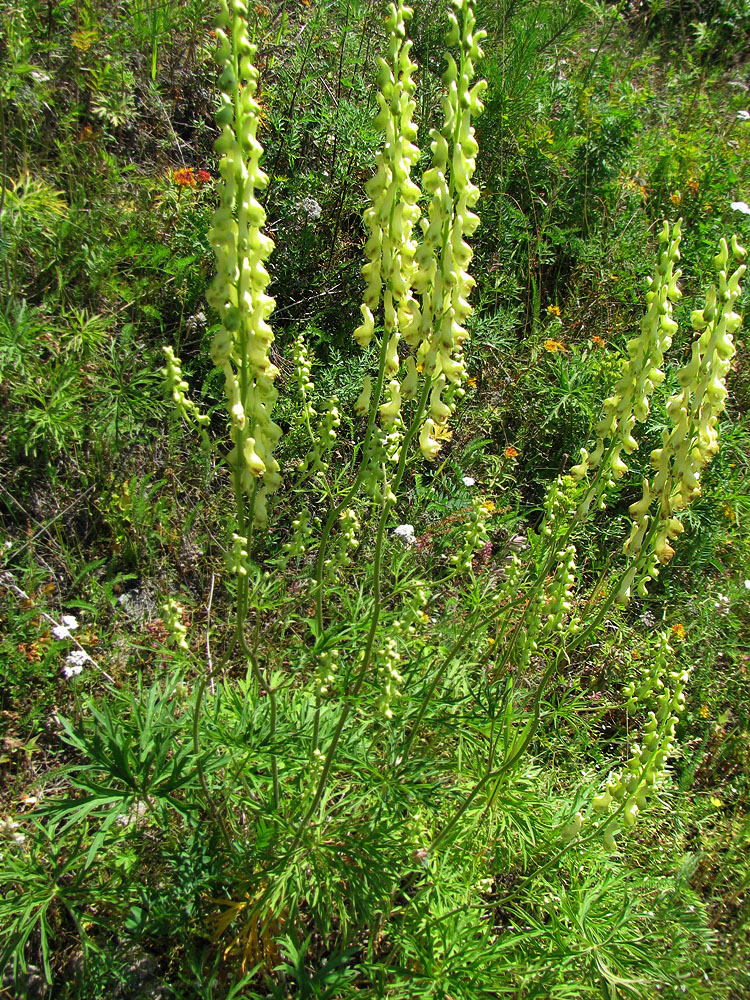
(414, 312)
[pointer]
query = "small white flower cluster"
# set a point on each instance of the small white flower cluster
(405, 532)
(310, 209)
(74, 663)
(9, 828)
(68, 624)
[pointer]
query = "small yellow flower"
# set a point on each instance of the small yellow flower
(472, 382)
(678, 631)
(716, 802)
(553, 310)
(424, 617)
(675, 197)
(490, 642)
(703, 711)
(707, 207)
(511, 452)
(553, 346)
(728, 512)
(489, 506)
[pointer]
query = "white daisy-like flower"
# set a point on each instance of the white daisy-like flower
(468, 481)
(747, 584)
(69, 621)
(61, 632)
(740, 206)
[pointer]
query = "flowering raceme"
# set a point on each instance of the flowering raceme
(425, 287)
(241, 346)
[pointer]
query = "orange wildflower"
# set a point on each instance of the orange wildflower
(184, 177)
(598, 341)
(678, 631)
(553, 346)
(511, 452)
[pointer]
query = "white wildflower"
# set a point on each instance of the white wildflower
(311, 208)
(69, 621)
(406, 533)
(743, 116)
(468, 481)
(740, 206)
(61, 632)
(74, 663)
(722, 604)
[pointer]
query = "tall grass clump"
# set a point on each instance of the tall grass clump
(345, 800)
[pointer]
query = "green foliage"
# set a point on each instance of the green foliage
(169, 827)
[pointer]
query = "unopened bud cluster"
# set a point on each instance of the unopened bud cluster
(641, 373)
(389, 679)
(238, 560)
(559, 599)
(325, 671)
(302, 534)
(177, 388)
(693, 440)
(694, 411)
(661, 692)
(172, 617)
(474, 536)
